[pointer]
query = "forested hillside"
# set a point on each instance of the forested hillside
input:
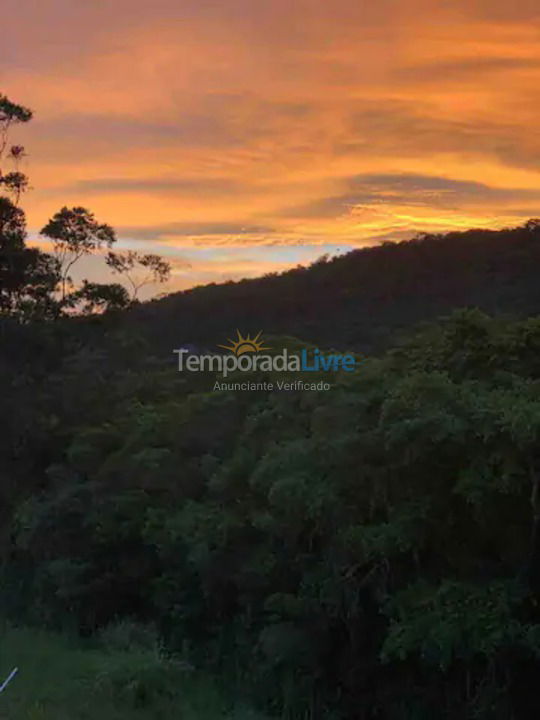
(366, 552)
(362, 299)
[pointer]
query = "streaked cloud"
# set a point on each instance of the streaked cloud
(257, 127)
(419, 190)
(180, 229)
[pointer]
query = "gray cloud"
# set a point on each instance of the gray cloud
(186, 229)
(497, 10)
(111, 133)
(410, 189)
(461, 69)
(411, 129)
(223, 121)
(186, 186)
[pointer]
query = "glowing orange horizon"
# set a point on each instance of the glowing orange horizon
(227, 136)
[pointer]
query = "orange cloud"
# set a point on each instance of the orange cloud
(248, 125)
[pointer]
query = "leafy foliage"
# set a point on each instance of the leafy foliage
(372, 547)
(140, 269)
(36, 284)
(366, 299)
(74, 233)
(368, 552)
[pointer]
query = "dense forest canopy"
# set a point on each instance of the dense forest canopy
(363, 299)
(372, 551)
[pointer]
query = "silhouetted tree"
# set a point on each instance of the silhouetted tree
(28, 277)
(99, 297)
(139, 269)
(12, 114)
(75, 233)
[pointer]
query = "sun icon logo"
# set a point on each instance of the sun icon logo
(246, 344)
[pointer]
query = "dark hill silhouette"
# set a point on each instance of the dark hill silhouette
(362, 299)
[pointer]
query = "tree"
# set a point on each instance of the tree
(532, 225)
(16, 183)
(35, 282)
(99, 297)
(131, 264)
(12, 114)
(75, 232)
(28, 277)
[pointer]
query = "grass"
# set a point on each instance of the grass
(60, 679)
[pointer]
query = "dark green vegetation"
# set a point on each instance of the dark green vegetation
(364, 299)
(105, 679)
(368, 552)
(36, 285)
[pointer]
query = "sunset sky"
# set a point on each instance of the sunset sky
(239, 137)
